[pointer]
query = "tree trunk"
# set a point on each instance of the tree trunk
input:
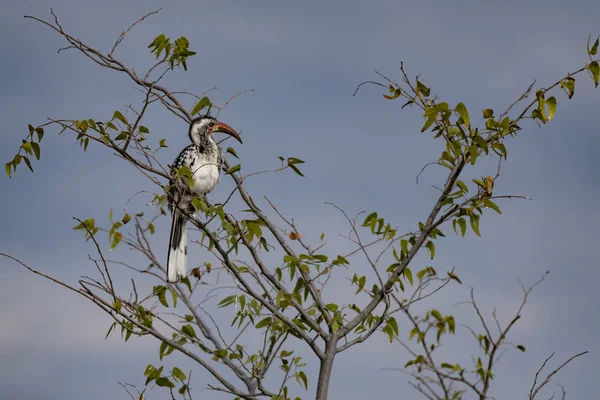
(325, 370)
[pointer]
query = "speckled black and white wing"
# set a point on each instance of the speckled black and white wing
(205, 163)
(179, 196)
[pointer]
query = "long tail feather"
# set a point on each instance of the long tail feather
(177, 257)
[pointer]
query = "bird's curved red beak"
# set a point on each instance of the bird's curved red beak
(224, 128)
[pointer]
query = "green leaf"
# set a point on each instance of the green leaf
(234, 169)
(408, 275)
(332, 307)
(200, 105)
(437, 315)
(27, 147)
(122, 136)
(568, 85)
(188, 330)
(389, 331)
(263, 323)
(296, 170)
(40, 133)
(462, 186)
(163, 143)
(7, 169)
(88, 223)
(126, 219)
(164, 382)
(143, 129)
(423, 89)
(303, 378)
(112, 326)
(537, 114)
(232, 152)
(178, 374)
(395, 93)
(595, 70)
(361, 284)
(490, 204)
(475, 224)
(428, 123)
(28, 163)
(463, 226)
(592, 51)
(117, 115)
(36, 149)
(116, 239)
(551, 102)
(464, 114)
(488, 113)
(392, 322)
(431, 246)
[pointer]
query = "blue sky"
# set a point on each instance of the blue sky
(304, 60)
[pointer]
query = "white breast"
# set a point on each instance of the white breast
(206, 176)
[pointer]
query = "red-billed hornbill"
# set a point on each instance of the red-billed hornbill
(204, 160)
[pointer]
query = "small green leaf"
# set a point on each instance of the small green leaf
(200, 105)
(263, 323)
(595, 70)
(488, 113)
(537, 114)
(126, 219)
(143, 129)
(27, 147)
(395, 93)
(40, 133)
(178, 374)
(234, 169)
(431, 246)
(592, 51)
(122, 136)
(428, 123)
(303, 378)
(28, 163)
(188, 330)
(7, 169)
(408, 275)
(117, 115)
(462, 186)
(116, 239)
(389, 331)
(231, 151)
(490, 204)
(361, 284)
(36, 149)
(164, 382)
(421, 88)
(463, 226)
(464, 114)
(163, 143)
(392, 322)
(296, 170)
(568, 85)
(551, 102)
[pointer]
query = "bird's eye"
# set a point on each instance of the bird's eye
(211, 124)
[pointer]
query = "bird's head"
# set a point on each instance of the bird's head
(202, 127)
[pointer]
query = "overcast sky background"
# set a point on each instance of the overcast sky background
(304, 60)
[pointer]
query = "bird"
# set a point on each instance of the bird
(204, 159)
